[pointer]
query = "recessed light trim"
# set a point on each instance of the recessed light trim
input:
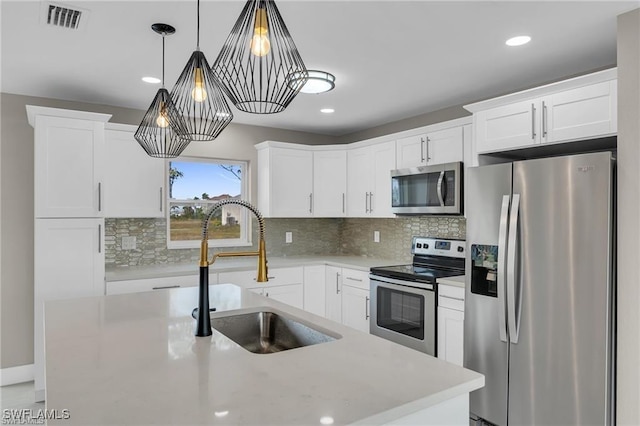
(327, 110)
(518, 40)
(151, 80)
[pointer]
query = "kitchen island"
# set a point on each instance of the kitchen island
(134, 359)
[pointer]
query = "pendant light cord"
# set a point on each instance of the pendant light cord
(163, 61)
(198, 28)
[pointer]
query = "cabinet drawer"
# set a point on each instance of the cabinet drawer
(355, 278)
(149, 284)
(451, 297)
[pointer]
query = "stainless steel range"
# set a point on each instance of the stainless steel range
(404, 297)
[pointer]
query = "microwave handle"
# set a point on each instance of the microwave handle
(439, 186)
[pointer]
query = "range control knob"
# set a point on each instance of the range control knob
(419, 245)
(460, 249)
(426, 246)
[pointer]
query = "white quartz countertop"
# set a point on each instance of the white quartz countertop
(457, 281)
(239, 264)
(134, 359)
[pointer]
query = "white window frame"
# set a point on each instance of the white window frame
(245, 230)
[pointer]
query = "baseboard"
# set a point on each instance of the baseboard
(13, 375)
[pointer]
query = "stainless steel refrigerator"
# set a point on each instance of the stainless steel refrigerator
(540, 287)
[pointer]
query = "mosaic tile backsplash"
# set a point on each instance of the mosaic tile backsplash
(341, 236)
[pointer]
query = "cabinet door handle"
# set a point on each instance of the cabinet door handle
(99, 196)
(99, 238)
(371, 202)
(161, 203)
(422, 150)
(427, 143)
(311, 203)
(165, 287)
(354, 279)
(366, 307)
(366, 202)
(337, 285)
(343, 202)
(544, 120)
(533, 121)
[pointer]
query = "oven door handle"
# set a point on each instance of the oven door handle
(387, 280)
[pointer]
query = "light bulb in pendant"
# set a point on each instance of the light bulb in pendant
(162, 120)
(199, 93)
(260, 44)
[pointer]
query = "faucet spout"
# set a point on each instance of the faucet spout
(203, 319)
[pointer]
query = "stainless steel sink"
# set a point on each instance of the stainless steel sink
(267, 332)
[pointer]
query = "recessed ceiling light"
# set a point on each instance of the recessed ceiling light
(518, 40)
(151, 80)
(327, 110)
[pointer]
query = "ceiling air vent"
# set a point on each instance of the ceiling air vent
(61, 16)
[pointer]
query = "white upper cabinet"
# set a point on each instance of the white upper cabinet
(369, 180)
(329, 183)
(508, 127)
(68, 151)
(577, 109)
(437, 147)
(285, 182)
(585, 112)
(134, 180)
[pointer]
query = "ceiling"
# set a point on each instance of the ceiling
(392, 59)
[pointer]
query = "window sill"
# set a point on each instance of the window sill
(178, 245)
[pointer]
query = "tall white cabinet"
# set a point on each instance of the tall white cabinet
(68, 213)
(135, 182)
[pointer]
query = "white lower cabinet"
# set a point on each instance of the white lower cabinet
(333, 293)
(284, 285)
(291, 294)
(347, 297)
(68, 262)
(314, 289)
(355, 307)
(451, 324)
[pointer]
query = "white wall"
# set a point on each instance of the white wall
(628, 356)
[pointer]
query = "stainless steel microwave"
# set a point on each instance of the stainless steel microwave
(427, 190)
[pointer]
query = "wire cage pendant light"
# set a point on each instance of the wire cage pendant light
(161, 132)
(258, 59)
(199, 99)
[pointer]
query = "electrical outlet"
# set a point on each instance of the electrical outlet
(376, 236)
(288, 237)
(129, 243)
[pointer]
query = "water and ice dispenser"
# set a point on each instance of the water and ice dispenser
(484, 270)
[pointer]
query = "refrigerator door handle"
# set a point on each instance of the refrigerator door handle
(439, 186)
(512, 313)
(502, 256)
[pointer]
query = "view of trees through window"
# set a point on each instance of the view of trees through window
(194, 187)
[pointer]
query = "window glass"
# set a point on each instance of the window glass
(195, 185)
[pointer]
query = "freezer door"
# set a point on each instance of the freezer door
(485, 346)
(562, 304)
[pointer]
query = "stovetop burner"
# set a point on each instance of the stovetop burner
(432, 259)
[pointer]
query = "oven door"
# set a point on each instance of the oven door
(404, 313)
